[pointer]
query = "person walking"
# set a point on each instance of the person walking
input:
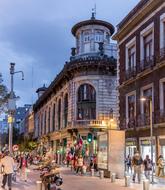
(128, 162)
(23, 167)
(147, 166)
(137, 162)
(160, 166)
(8, 164)
(79, 164)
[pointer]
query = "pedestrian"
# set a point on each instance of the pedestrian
(79, 164)
(128, 162)
(8, 164)
(23, 167)
(160, 166)
(95, 163)
(68, 159)
(147, 166)
(137, 164)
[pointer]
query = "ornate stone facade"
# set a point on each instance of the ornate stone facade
(81, 98)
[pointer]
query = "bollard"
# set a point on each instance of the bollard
(101, 174)
(92, 172)
(113, 176)
(146, 184)
(39, 185)
(127, 181)
(84, 170)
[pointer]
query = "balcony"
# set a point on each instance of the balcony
(162, 54)
(131, 72)
(147, 63)
(160, 116)
(131, 123)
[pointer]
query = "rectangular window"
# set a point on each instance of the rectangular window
(148, 43)
(164, 95)
(146, 106)
(131, 57)
(130, 109)
(131, 106)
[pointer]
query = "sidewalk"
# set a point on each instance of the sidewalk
(86, 182)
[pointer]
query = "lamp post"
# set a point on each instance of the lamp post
(151, 132)
(12, 104)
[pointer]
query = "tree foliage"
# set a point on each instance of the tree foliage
(3, 94)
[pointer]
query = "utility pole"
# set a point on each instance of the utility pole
(12, 104)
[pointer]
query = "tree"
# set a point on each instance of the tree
(4, 95)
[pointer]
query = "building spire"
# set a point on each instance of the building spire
(93, 12)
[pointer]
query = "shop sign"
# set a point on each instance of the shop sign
(131, 143)
(146, 142)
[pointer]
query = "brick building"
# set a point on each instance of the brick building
(83, 95)
(141, 72)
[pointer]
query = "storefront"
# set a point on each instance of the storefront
(145, 148)
(131, 147)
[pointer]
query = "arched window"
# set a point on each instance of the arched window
(53, 117)
(86, 102)
(59, 114)
(65, 110)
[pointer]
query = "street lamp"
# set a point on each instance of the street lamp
(12, 104)
(143, 99)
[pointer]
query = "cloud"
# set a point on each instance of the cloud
(36, 36)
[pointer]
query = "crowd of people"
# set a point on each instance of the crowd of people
(81, 164)
(12, 164)
(136, 165)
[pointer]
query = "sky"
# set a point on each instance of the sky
(36, 35)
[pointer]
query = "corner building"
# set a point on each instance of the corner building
(141, 72)
(83, 96)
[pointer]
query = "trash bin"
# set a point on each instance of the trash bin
(39, 185)
(92, 172)
(146, 184)
(113, 177)
(101, 174)
(127, 181)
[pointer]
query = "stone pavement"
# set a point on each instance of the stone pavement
(78, 182)
(74, 182)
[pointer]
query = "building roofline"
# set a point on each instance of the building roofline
(92, 22)
(134, 16)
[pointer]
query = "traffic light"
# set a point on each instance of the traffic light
(90, 138)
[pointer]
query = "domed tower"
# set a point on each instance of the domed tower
(92, 38)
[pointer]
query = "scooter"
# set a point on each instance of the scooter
(51, 179)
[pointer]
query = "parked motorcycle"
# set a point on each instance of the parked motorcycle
(51, 178)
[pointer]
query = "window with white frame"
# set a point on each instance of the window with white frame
(130, 106)
(162, 31)
(86, 42)
(131, 57)
(131, 54)
(147, 92)
(147, 43)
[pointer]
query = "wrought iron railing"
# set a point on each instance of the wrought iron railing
(131, 72)
(146, 63)
(162, 54)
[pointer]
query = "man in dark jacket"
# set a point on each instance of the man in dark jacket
(137, 164)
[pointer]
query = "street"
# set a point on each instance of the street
(78, 182)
